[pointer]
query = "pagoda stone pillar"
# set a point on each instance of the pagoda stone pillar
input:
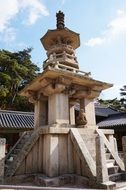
(58, 109)
(40, 112)
(72, 112)
(88, 106)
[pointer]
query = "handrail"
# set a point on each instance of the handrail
(109, 147)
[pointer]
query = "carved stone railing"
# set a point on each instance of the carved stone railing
(57, 65)
(101, 166)
(111, 149)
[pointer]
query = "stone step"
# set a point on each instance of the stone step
(110, 162)
(121, 155)
(25, 137)
(115, 177)
(6, 166)
(113, 170)
(12, 157)
(8, 162)
(108, 155)
(16, 150)
(106, 150)
(20, 145)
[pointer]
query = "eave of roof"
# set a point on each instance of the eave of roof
(105, 111)
(115, 120)
(16, 120)
(76, 78)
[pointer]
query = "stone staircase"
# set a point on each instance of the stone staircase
(19, 151)
(114, 171)
(114, 164)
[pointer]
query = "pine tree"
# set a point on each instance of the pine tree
(16, 70)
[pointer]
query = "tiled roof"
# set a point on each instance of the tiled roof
(113, 121)
(16, 119)
(104, 111)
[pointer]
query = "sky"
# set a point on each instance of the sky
(100, 23)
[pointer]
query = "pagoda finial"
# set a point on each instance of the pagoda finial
(60, 20)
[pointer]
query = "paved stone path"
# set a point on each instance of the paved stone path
(119, 186)
(17, 187)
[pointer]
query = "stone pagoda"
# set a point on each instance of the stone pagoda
(62, 85)
(64, 149)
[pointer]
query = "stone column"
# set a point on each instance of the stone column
(101, 166)
(50, 155)
(88, 106)
(40, 113)
(58, 109)
(115, 145)
(72, 113)
(111, 140)
(2, 157)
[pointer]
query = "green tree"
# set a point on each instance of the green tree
(114, 103)
(16, 70)
(123, 99)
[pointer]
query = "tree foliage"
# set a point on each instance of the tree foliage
(16, 70)
(114, 103)
(123, 99)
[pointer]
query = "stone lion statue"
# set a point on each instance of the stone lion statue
(81, 119)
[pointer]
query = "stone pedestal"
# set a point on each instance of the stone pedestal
(58, 109)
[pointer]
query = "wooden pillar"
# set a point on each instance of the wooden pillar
(58, 109)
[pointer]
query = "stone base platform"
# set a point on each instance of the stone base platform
(63, 180)
(67, 180)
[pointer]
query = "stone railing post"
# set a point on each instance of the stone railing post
(101, 166)
(124, 150)
(2, 157)
(115, 145)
